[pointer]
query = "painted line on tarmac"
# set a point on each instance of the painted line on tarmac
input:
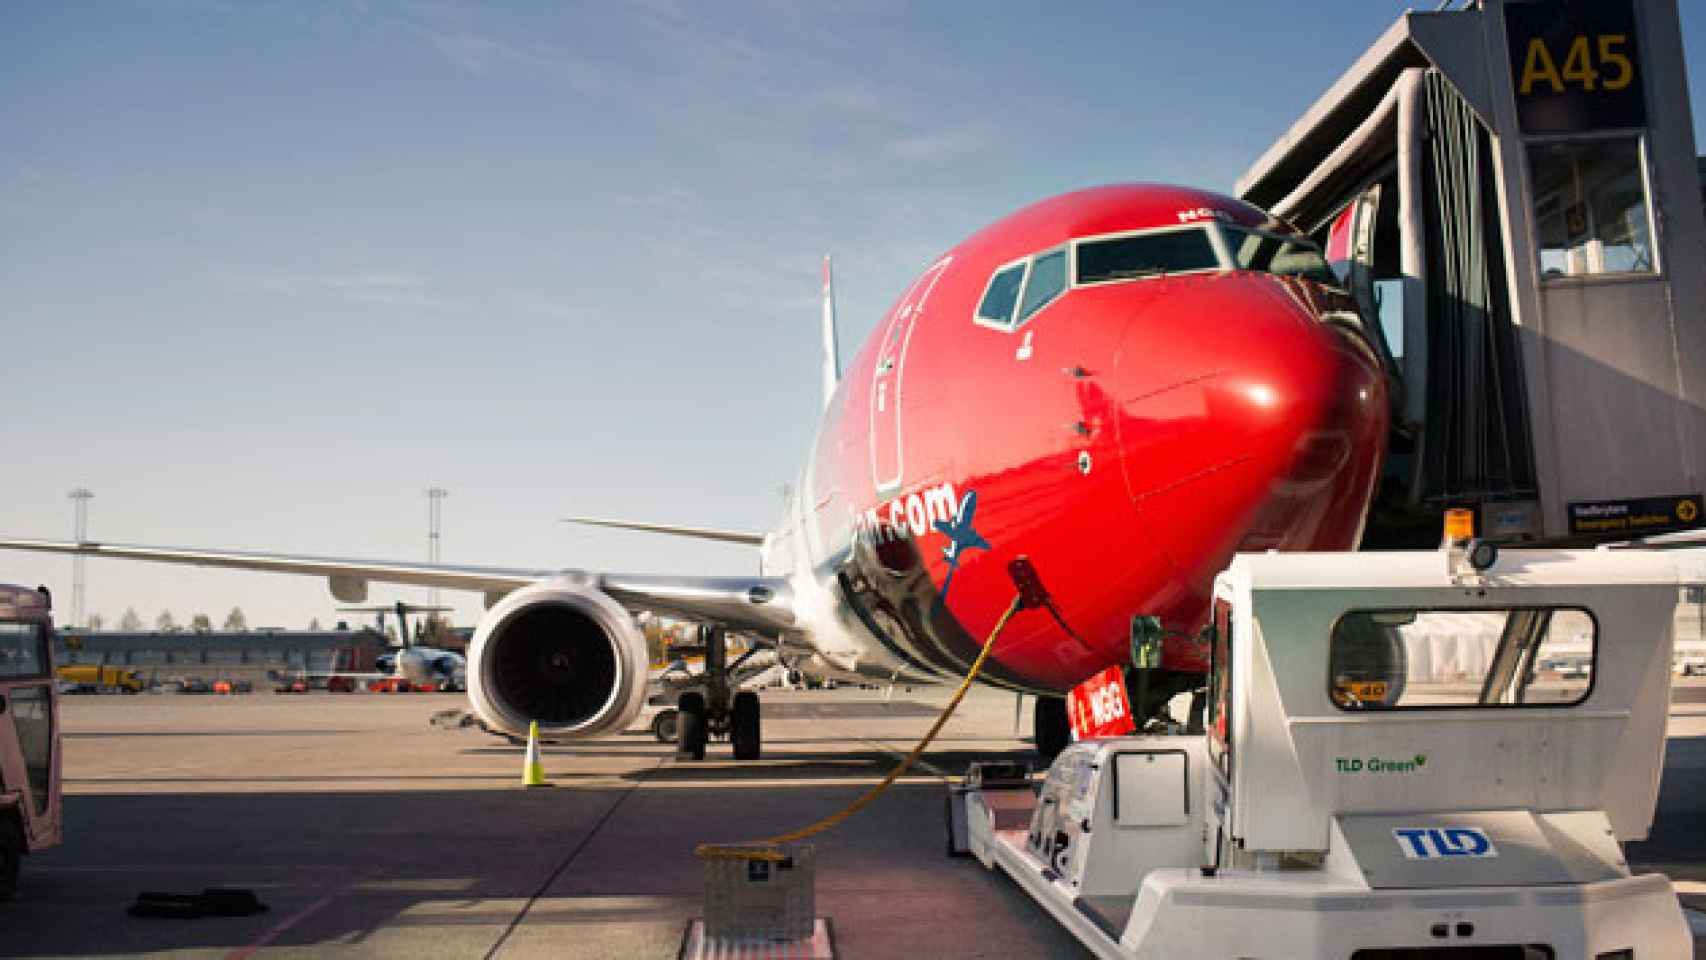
(272, 933)
(777, 782)
(936, 772)
(562, 866)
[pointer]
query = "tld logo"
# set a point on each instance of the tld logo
(1435, 843)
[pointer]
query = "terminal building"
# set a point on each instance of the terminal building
(252, 655)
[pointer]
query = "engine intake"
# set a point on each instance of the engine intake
(560, 652)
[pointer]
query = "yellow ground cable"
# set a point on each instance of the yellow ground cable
(756, 849)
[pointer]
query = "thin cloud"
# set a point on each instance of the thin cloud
(449, 31)
(374, 287)
(940, 146)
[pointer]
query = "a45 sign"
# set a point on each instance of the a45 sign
(1575, 65)
(1610, 70)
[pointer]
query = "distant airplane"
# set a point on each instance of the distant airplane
(418, 663)
(1126, 384)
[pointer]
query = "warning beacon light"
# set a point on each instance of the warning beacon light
(1466, 557)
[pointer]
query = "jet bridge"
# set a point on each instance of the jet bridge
(1510, 190)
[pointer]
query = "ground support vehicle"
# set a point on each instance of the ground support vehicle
(31, 803)
(94, 678)
(1383, 771)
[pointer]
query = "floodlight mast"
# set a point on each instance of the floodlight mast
(435, 532)
(80, 527)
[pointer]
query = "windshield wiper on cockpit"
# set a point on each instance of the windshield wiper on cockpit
(1134, 273)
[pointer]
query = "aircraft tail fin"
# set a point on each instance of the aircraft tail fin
(831, 350)
(699, 533)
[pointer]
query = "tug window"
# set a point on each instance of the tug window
(1048, 279)
(1285, 256)
(22, 651)
(1220, 683)
(1590, 207)
(1002, 295)
(1410, 659)
(1145, 255)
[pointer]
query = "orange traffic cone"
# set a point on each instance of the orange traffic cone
(532, 768)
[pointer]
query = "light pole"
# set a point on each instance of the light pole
(435, 531)
(80, 531)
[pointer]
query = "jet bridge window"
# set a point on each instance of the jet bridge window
(1284, 256)
(1590, 207)
(1145, 255)
(1418, 659)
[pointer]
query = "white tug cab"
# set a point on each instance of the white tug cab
(1402, 755)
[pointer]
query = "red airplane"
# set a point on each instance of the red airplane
(1126, 384)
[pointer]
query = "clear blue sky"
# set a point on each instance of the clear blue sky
(279, 267)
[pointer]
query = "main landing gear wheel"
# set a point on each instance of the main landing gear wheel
(723, 710)
(690, 744)
(744, 727)
(1051, 729)
(666, 725)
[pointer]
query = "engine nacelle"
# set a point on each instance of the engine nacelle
(560, 652)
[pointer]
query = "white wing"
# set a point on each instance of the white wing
(756, 603)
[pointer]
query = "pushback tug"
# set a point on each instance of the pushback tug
(1458, 797)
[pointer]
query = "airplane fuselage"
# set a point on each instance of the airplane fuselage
(421, 665)
(1044, 390)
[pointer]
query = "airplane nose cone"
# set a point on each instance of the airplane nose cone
(1245, 423)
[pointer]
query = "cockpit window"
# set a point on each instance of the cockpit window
(1002, 295)
(1145, 255)
(1048, 279)
(1285, 256)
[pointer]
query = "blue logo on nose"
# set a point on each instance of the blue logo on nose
(961, 537)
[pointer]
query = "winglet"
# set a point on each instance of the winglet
(831, 351)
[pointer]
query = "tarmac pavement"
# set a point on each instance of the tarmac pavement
(371, 833)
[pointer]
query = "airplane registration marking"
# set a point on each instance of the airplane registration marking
(1205, 213)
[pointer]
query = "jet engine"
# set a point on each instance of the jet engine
(561, 652)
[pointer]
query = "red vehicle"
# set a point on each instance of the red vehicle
(1125, 384)
(31, 802)
(390, 685)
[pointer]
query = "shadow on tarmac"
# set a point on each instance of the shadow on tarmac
(602, 871)
(150, 734)
(1676, 846)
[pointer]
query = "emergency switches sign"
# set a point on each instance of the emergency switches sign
(1099, 707)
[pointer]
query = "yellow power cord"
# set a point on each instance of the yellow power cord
(766, 849)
